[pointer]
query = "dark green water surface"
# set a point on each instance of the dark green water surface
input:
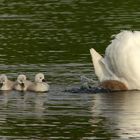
(54, 37)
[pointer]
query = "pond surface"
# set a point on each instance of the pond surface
(54, 37)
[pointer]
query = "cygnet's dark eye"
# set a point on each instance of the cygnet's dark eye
(43, 80)
(40, 77)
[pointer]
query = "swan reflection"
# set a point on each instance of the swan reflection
(121, 111)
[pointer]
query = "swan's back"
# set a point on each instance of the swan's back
(123, 58)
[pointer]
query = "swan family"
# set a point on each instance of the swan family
(22, 84)
(119, 69)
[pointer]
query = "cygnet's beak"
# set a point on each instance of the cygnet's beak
(22, 85)
(44, 80)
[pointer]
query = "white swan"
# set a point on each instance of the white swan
(40, 84)
(22, 83)
(121, 61)
(5, 84)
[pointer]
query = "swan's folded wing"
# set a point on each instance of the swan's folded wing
(101, 69)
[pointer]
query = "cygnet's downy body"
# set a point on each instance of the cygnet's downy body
(40, 84)
(22, 83)
(5, 84)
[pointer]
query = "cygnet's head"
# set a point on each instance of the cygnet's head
(3, 79)
(21, 79)
(39, 78)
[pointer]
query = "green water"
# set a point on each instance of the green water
(54, 37)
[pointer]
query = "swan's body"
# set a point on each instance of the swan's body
(121, 61)
(5, 83)
(113, 85)
(22, 83)
(40, 84)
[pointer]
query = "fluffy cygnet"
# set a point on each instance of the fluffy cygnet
(5, 84)
(22, 83)
(40, 85)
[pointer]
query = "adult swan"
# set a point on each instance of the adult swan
(121, 63)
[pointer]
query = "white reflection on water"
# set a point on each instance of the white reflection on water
(122, 112)
(13, 102)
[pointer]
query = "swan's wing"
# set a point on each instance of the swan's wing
(101, 68)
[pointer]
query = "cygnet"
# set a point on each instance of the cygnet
(40, 84)
(22, 83)
(5, 84)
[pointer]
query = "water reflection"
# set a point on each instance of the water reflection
(79, 116)
(121, 111)
(4, 95)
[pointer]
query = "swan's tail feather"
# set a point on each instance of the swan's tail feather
(96, 60)
(101, 69)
